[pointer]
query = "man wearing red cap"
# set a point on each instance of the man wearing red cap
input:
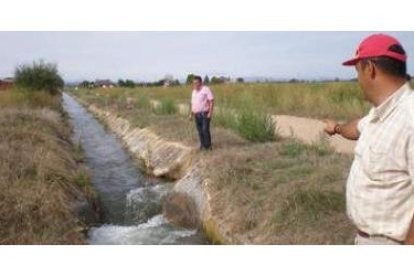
(380, 186)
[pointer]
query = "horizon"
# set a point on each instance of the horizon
(150, 56)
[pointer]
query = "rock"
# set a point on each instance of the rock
(180, 209)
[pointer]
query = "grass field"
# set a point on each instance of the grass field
(41, 172)
(340, 100)
(269, 190)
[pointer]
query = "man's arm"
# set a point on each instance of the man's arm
(210, 108)
(349, 130)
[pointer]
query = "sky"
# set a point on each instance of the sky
(149, 56)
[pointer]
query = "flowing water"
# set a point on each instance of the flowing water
(130, 201)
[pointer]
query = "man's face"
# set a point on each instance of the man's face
(196, 84)
(364, 77)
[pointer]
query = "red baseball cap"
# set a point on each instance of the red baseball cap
(375, 46)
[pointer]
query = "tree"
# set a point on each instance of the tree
(121, 83)
(39, 76)
(129, 83)
(241, 80)
(175, 83)
(86, 84)
(215, 80)
(126, 83)
(190, 78)
(218, 80)
(206, 80)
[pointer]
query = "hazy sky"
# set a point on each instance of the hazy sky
(152, 55)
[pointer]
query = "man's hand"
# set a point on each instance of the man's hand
(209, 115)
(330, 126)
(348, 131)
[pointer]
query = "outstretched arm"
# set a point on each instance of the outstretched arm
(349, 130)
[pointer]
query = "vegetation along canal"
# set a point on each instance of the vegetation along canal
(130, 202)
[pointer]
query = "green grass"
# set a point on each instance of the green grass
(143, 102)
(295, 149)
(249, 124)
(292, 148)
(167, 106)
(82, 179)
(248, 120)
(19, 97)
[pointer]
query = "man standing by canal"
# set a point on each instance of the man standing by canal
(380, 186)
(202, 103)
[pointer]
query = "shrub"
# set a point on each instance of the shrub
(225, 119)
(39, 76)
(167, 106)
(248, 120)
(143, 102)
(255, 126)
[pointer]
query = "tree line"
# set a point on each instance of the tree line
(167, 81)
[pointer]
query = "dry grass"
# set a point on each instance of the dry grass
(39, 177)
(281, 193)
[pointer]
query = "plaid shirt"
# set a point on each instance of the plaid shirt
(380, 187)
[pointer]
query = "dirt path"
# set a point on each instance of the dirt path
(310, 131)
(306, 130)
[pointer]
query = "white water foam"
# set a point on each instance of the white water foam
(155, 231)
(141, 194)
(144, 202)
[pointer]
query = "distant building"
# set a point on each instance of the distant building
(6, 83)
(169, 80)
(104, 83)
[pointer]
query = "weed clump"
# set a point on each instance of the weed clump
(167, 106)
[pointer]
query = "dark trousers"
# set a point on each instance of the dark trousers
(203, 128)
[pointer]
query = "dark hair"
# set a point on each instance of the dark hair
(198, 78)
(390, 65)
